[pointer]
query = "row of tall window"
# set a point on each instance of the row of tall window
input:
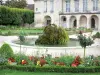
(51, 7)
(85, 5)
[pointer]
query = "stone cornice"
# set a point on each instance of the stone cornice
(79, 13)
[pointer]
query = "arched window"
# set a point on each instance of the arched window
(75, 23)
(85, 5)
(76, 5)
(92, 23)
(47, 20)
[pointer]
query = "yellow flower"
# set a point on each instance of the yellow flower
(38, 63)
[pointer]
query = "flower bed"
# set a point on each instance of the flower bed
(46, 63)
(57, 64)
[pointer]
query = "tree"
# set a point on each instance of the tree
(16, 3)
(84, 41)
(28, 18)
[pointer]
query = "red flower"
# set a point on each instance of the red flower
(76, 61)
(42, 62)
(24, 62)
(11, 59)
(74, 65)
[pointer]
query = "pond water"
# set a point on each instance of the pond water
(31, 42)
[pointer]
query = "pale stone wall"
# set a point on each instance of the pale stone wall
(83, 18)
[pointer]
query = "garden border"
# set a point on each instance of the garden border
(58, 69)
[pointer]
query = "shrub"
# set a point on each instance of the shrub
(94, 61)
(20, 67)
(0, 32)
(15, 16)
(21, 57)
(49, 59)
(9, 32)
(3, 61)
(64, 60)
(53, 69)
(97, 35)
(89, 30)
(6, 51)
(53, 35)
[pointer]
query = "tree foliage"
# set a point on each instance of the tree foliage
(16, 3)
(84, 41)
(53, 35)
(15, 16)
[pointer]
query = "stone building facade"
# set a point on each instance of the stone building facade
(68, 13)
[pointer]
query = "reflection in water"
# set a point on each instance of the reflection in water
(31, 42)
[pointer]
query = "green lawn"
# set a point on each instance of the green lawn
(34, 30)
(13, 72)
(16, 32)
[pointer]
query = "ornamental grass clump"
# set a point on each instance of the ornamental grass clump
(53, 35)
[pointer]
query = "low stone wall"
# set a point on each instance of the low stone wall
(54, 51)
(57, 51)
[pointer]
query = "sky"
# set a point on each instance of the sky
(28, 1)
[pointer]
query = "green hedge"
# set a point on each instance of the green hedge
(6, 51)
(15, 16)
(53, 69)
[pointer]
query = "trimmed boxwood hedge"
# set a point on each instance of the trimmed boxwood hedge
(6, 51)
(53, 69)
(15, 16)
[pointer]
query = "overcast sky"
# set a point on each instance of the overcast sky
(28, 1)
